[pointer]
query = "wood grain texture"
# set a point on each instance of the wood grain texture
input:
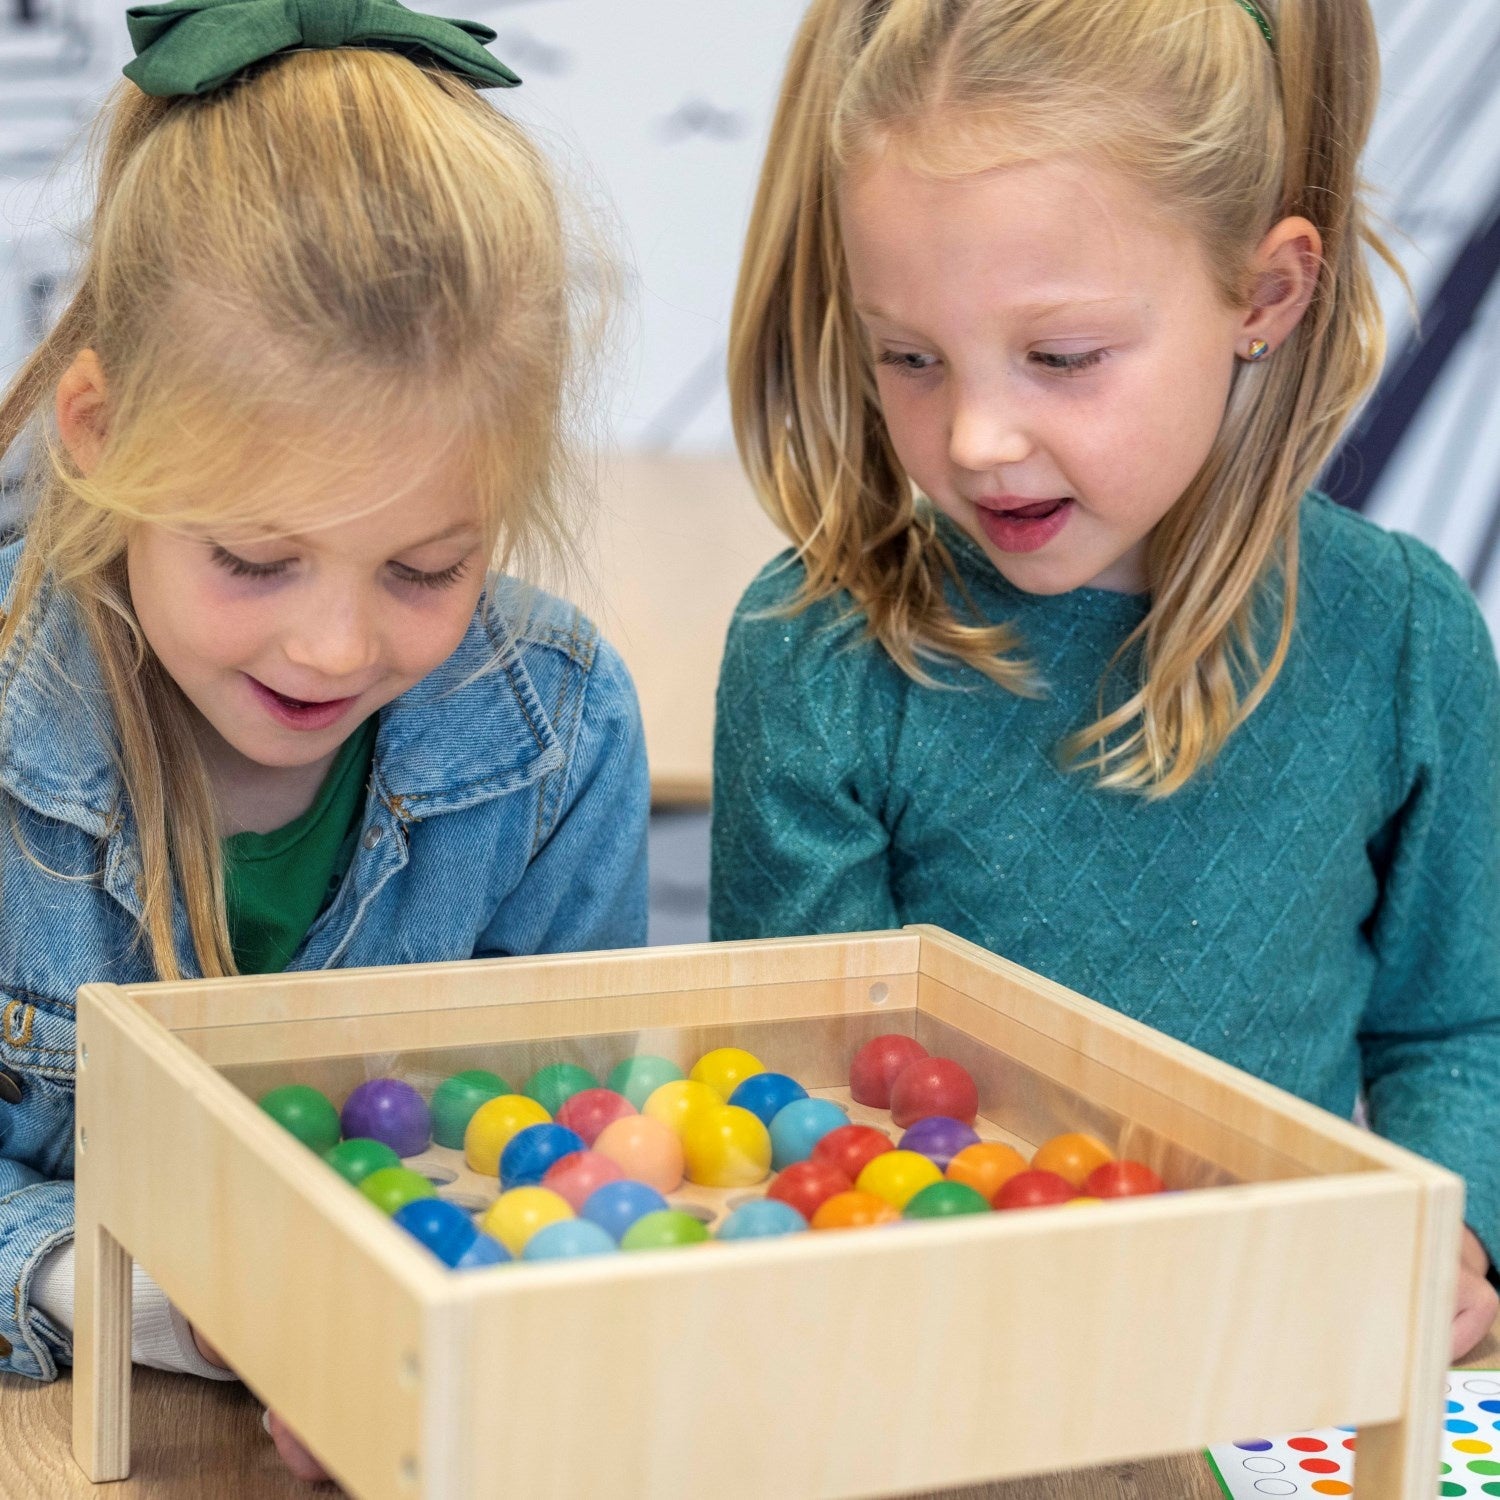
(196, 1440)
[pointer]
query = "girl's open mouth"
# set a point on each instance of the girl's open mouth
(1026, 527)
(298, 713)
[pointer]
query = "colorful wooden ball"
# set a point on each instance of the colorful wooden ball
(762, 1220)
(590, 1110)
(1072, 1156)
(617, 1205)
(355, 1160)
(517, 1215)
(725, 1069)
(645, 1149)
(807, 1186)
(386, 1109)
(945, 1200)
(876, 1065)
(308, 1114)
(485, 1251)
(939, 1139)
(933, 1086)
(530, 1152)
(567, 1239)
(575, 1177)
(986, 1167)
(1123, 1179)
(1034, 1190)
(799, 1126)
(765, 1094)
(850, 1147)
(726, 1147)
(666, 1229)
(555, 1084)
(443, 1227)
(492, 1127)
(897, 1176)
(392, 1188)
(675, 1103)
(640, 1077)
(854, 1210)
(455, 1099)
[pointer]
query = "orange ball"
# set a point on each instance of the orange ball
(1072, 1157)
(645, 1149)
(986, 1166)
(854, 1210)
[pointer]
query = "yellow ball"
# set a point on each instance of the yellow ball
(898, 1176)
(726, 1068)
(675, 1103)
(491, 1127)
(517, 1215)
(726, 1147)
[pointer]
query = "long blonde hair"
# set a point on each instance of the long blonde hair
(1185, 97)
(341, 243)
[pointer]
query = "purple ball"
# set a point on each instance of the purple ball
(385, 1109)
(939, 1138)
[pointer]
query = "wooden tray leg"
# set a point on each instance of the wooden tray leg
(101, 1355)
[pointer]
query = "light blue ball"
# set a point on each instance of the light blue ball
(765, 1095)
(567, 1238)
(762, 1220)
(485, 1251)
(615, 1206)
(799, 1126)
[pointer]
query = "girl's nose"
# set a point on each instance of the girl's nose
(984, 433)
(334, 636)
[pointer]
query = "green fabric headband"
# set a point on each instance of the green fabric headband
(1258, 17)
(193, 46)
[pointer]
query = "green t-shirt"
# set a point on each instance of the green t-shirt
(276, 884)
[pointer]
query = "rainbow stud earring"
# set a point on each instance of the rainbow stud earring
(1258, 350)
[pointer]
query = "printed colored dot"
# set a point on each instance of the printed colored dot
(1349, 1444)
(1263, 1465)
(1254, 1445)
(1447, 1487)
(1472, 1445)
(1445, 1468)
(1320, 1465)
(1456, 1426)
(1307, 1444)
(1490, 1489)
(1332, 1487)
(1455, 1406)
(1483, 1466)
(1348, 1429)
(1489, 1406)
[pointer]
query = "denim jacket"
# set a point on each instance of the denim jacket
(506, 814)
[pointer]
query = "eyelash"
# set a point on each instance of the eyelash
(240, 568)
(1058, 364)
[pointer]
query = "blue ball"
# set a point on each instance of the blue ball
(617, 1205)
(799, 1126)
(443, 1227)
(485, 1251)
(764, 1094)
(762, 1220)
(531, 1151)
(567, 1238)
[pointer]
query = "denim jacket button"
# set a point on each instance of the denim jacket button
(10, 1093)
(373, 836)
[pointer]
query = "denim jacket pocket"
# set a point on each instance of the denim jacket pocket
(37, 1075)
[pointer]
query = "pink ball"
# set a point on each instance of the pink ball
(649, 1151)
(876, 1065)
(590, 1110)
(576, 1175)
(933, 1086)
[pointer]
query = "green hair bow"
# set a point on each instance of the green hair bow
(193, 46)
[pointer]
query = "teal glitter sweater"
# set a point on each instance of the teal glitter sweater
(1320, 907)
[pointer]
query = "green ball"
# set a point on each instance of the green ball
(390, 1188)
(308, 1114)
(555, 1084)
(640, 1077)
(354, 1160)
(456, 1099)
(665, 1229)
(943, 1200)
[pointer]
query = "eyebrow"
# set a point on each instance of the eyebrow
(1033, 310)
(459, 528)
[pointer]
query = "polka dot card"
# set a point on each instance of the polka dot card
(1312, 1464)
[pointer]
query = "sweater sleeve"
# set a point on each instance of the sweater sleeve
(806, 718)
(1431, 1035)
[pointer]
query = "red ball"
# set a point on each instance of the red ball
(590, 1110)
(876, 1065)
(1122, 1179)
(807, 1185)
(933, 1086)
(849, 1148)
(1034, 1190)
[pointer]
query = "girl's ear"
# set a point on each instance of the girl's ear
(1284, 277)
(80, 411)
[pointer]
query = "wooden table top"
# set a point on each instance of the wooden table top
(202, 1440)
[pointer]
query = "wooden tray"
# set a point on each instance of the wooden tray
(1308, 1283)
